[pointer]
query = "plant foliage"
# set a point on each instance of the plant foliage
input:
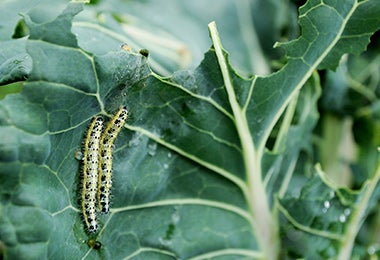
(214, 161)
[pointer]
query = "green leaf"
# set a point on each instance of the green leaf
(332, 29)
(10, 15)
(296, 126)
(249, 38)
(15, 62)
(59, 29)
(208, 165)
(326, 218)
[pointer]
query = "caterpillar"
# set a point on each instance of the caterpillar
(90, 173)
(107, 139)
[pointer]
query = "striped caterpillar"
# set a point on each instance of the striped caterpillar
(107, 139)
(90, 173)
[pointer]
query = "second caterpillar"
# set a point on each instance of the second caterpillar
(107, 140)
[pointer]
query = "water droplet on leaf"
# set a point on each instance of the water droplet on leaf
(175, 218)
(152, 148)
(78, 155)
(135, 140)
(371, 250)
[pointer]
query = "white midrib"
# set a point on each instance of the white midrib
(264, 226)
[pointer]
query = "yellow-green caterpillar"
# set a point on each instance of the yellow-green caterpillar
(90, 173)
(107, 139)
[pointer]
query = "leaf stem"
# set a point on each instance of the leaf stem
(265, 226)
(359, 215)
